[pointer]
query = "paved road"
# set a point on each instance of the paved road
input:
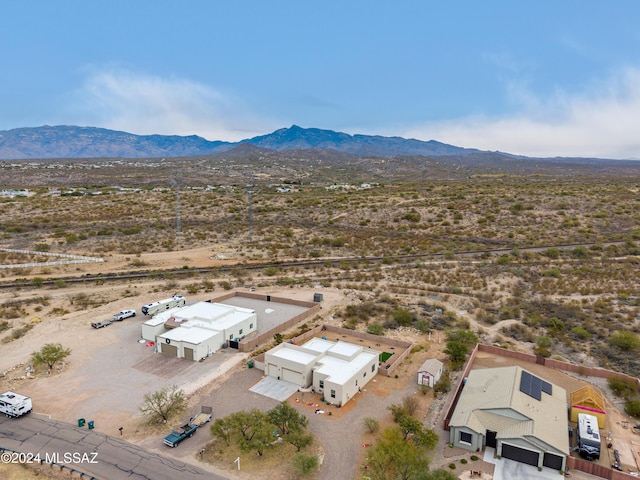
(115, 459)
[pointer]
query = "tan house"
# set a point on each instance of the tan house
(519, 414)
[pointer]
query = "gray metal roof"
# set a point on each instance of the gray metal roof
(492, 400)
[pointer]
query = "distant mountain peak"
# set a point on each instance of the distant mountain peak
(69, 141)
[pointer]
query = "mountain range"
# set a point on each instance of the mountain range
(90, 142)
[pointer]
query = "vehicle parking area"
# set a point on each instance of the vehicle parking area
(109, 370)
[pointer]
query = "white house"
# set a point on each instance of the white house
(337, 369)
(430, 372)
(201, 329)
(155, 325)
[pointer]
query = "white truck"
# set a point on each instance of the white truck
(15, 405)
(162, 305)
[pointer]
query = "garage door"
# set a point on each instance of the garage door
(520, 454)
(170, 350)
(552, 461)
(291, 376)
(188, 353)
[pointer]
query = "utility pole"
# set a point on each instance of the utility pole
(176, 184)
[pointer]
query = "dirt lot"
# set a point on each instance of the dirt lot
(109, 371)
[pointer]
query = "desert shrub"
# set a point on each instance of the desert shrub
(304, 464)
(625, 340)
(632, 408)
(623, 387)
(371, 424)
(444, 384)
(581, 332)
(375, 329)
(402, 317)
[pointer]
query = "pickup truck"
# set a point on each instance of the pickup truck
(179, 434)
(118, 317)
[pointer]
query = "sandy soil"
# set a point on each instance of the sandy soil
(95, 352)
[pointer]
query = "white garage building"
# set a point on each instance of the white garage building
(337, 369)
(199, 330)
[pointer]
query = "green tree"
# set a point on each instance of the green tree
(457, 351)
(223, 429)
(49, 355)
(409, 426)
(287, 418)
(256, 431)
(394, 458)
(299, 439)
(463, 336)
(163, 404)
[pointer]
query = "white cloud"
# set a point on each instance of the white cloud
(600, 122)
(144, 104)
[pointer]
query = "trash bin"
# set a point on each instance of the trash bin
(90, 424)
(81, 422)
(250, 364)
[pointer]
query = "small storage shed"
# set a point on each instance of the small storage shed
(430, 372)
(587, 400)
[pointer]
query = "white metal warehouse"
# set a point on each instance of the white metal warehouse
(337, 369)
(201, 329)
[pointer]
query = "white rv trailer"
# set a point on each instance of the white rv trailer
(162, 305)
(588, 436)
(15, 405)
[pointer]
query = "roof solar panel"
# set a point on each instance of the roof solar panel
(536, 388)
(533, 386)
(525, 382)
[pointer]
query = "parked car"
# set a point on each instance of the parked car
(118, 317)
(103, 323)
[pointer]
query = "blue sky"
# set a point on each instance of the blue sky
(547, 78)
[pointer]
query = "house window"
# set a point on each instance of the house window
(356, 383)
(373, 368)
(321, 384)
(250, 326)
(240, 332)
(231, 337)
(466, 437)
(333, 394)
(364, 374)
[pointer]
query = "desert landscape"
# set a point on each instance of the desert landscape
(543, 264)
